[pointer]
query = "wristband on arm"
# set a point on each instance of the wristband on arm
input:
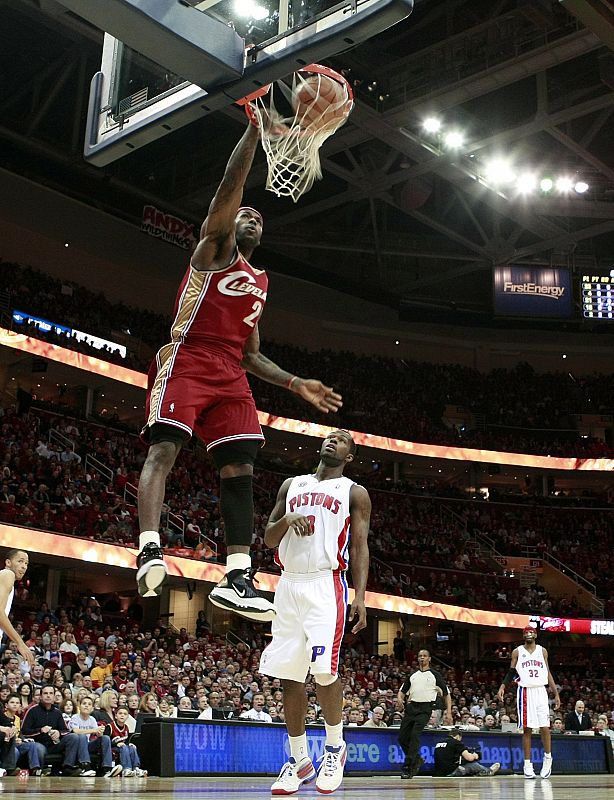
(509, 677)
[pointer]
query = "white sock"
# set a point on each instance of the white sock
(334, 734)
(240, 561)
(149, 537)
(547, 755)
(527, 762)
(298, 747)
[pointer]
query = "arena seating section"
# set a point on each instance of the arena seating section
(422, 546)
(159, 656)
(422, 539)
(515, 410)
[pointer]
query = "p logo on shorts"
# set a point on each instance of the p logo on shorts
(317, 650)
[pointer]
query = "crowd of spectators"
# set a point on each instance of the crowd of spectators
(67, 303)
(506, 409)
(85, 650)
(417, 550)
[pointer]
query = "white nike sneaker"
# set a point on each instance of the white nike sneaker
(529, 772)
(546, 770)
(330, 772)
(293, 775)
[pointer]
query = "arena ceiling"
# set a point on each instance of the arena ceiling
(395, 217)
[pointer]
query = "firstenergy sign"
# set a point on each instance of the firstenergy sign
(553, 292)
(520, 291)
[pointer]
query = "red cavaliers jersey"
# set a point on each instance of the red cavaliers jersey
(219, 310)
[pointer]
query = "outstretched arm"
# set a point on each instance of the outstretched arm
(314, 391)
(6, 586)
(217, 234)
(360, 516)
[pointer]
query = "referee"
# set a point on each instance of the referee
(417, 697)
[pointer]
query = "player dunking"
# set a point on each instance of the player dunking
(197, 385)
(16, 565)
(529, 668)
(315, 519)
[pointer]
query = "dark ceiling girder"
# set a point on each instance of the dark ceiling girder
(597, 15)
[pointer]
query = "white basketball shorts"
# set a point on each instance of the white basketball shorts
(533, 709)
(308, 627)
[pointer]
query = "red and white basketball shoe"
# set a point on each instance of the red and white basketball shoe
(293, 775)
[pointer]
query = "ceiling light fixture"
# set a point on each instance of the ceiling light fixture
(431, 125)
(454, 139)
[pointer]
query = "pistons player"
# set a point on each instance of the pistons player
(197, 384)
(316, 520)
(529, 669)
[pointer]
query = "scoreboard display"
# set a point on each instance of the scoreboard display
(598, 296)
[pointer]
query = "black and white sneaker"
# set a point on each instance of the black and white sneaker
(71, 772)
(151, 572)
(236, 592)
(111, 772)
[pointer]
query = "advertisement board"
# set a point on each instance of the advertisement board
(251, 748)
(521, 291)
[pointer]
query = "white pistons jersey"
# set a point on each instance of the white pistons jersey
(327, 506)
(531, 667)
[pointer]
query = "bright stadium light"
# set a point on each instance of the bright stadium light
(564, 185)
(500, 171)
(250, 9)
(546, 184)
(431, 124)
(526, 183)
(454, 139)
(581, 187)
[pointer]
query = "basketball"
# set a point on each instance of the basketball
(321, 102)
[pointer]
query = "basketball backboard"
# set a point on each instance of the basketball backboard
(134, 100)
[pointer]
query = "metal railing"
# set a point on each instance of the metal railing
(61, 439)
(172, 520)
(596, 603)
(211, 543)
(232, 639)
(456, 518)
(482, 544)
(530, 551)
(93, 463)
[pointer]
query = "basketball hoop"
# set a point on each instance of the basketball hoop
(317, 104)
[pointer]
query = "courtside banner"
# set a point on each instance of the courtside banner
(251, 748)
(521, 291)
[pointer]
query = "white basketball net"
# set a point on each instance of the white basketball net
(292, 143)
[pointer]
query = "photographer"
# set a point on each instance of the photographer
(454, 760)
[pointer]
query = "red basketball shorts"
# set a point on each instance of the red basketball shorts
(201, 392)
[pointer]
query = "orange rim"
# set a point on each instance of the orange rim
(320, 69)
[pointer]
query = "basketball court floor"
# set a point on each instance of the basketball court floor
(514, 787)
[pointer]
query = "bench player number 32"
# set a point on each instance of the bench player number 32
(252, 319)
